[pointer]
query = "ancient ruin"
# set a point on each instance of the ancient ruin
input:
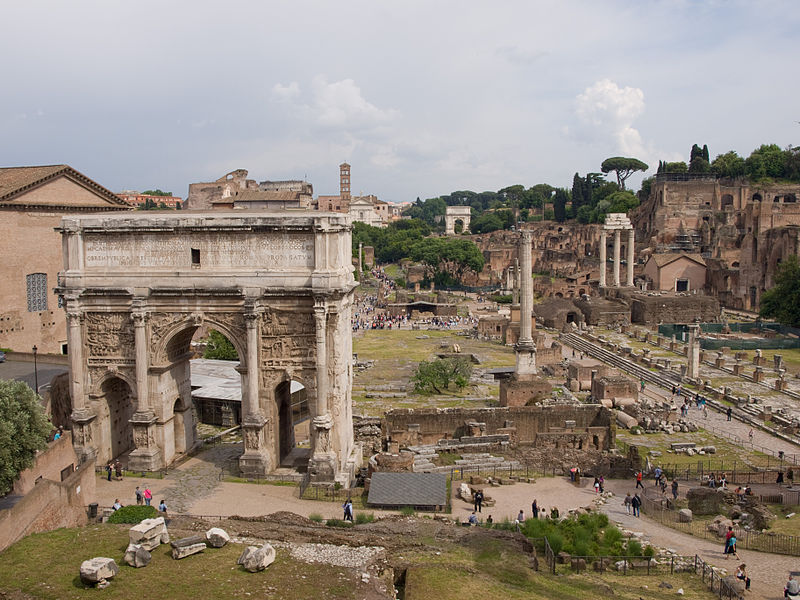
(457, 213)
(279, 286)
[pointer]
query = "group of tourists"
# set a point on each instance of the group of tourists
(142, 497)
(115, 467)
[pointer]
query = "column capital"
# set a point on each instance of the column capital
(74, 316)
(320, 305)
(139, 318)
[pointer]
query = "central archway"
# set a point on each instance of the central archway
(292, 410)
(115, 404)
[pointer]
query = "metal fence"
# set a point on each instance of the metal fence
(326, 492)
(663, 511)
(526, 471)
(716, 583)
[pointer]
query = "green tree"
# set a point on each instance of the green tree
(560, 205)
(156, 193)
(782, 301)
(486, 223)
(675, 167)
(24, 428)
(729, 164)
(766, 161)
(436, 376)
(623, 167)
(219, 347)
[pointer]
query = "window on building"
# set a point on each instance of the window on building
(196, 256)
(36, 284)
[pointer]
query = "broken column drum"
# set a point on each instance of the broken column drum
(279, 286)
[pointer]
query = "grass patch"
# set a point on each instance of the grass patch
(46, 566)
(133, 514)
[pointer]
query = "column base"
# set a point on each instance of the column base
(526, 359)
(322, 467)
(82, 434)
(147, 455)
(256, 461)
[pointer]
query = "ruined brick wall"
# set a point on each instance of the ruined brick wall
(427, 426)
(522, 393)
(614, 386)
(673, 309)
(49, 464)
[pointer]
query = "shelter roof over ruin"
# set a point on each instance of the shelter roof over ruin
(666, 258)
(408, 489)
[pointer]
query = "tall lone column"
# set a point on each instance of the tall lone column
(146, 456)
(525, 348)
(360, 263)
(693, 371)
(616, 257)
(629, 281)
(603, 258)
(323, 462)
(256, 459)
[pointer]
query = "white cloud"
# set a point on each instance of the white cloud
(611, 110)
(286, 92)
(341, 104)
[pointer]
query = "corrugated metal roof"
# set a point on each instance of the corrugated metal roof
(408, 489)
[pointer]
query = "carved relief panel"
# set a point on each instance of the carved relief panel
(288, 339)
(109, 335)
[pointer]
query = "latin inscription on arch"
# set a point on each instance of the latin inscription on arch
(224, 251)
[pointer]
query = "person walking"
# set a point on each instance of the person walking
(636, 504)
(729, 413)
(674, 489)
(348, 510)
(596, 485)
(535, 509)
(108, 470)
(139, 495)
(657, 474)
(148, 496)
(639, 480)
(750, 435)
(627, 503)
(118, 470)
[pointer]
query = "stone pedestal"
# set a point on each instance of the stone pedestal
(738, 368)
(780, 384)
(147, 455)
(255, 461)
(322, 466)
(758, 375)
(82, 433)
(719, 361)
(523, 392)
(526, 359)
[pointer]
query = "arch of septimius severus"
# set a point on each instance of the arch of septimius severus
(279, 286)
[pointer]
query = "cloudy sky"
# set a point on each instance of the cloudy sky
(421, 97)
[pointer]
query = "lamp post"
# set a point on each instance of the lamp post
(35, 372)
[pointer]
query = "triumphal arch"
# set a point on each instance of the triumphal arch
(279, 286)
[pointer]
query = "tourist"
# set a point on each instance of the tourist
(596, 485)
(602, 481)
(663, 484)
(478, 500)
(779, 479)
(108, 470)
(729, 413)
(674, 489)
(730, 543)
(534, 509)
(473, 518)
(792, 588)
(520, 517)
(554, 513)
(348, 510)
(636, 503)
(641, 385)
(58, 434)
(116, 506)
(705, 411)
(741, 573)
(118, 470)
(627, 503)
(657, 473)
(139, 495)
(639, 479)
(489, 520)
(162, 507)
(750, 435)
(148, 496)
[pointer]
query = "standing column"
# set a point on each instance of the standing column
(147, 454)
(322, 466)
(603, 258)
(526, 289)
(257, 459)
(525, 348)
(75, 351)
(629, 281)
(616, 257)
(694, 352)
(360, 263)
(140, 340)
(81, 416)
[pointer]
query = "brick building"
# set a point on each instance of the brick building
(32, 202)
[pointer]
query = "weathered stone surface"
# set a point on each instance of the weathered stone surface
(720, 525)
(187, 546)
(685, 515)
(98, 569)
(217, 537)
(136, 556)
(255, 559)
(737, 585)
(149, 534)
(704, 501)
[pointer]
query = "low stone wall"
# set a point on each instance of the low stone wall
(50, 505)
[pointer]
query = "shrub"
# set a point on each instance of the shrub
(407, 511)
(649, 552)
(634, 548)
(362, 518)
(133, 514)
(611, 536)
(338, 523)
(316, 517)
(556, 541)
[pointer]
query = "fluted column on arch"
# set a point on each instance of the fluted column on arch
(257, 457)
(146, 456)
